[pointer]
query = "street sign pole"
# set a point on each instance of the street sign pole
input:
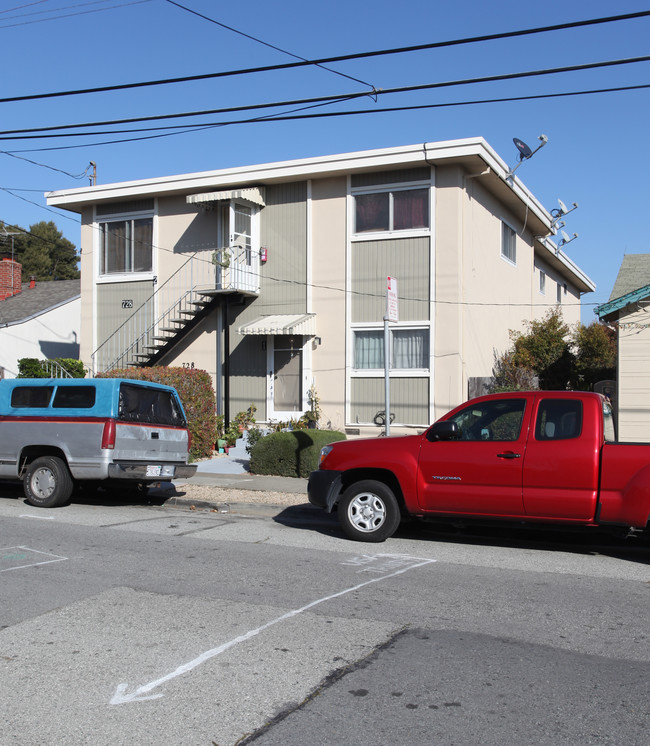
(391, 315)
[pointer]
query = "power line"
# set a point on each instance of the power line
(189, 129)
(68, 15)
(328, 60)
(320, 99)
(265, 43)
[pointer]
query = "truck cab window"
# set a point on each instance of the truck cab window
(558, 419)
(493, 420)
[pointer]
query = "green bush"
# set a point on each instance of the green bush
(31, 367)
(195, 390)
(292, 454)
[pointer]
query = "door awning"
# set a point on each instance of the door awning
(254, 195)
(282, 323)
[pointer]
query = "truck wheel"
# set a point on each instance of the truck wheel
(47, 482)
(368, 511)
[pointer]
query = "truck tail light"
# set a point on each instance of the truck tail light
(189, 441)
(108, 436)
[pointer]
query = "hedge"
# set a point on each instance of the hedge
(195, 390)
(32, 367)
(291, 454)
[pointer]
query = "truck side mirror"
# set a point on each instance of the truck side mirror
(447, 430)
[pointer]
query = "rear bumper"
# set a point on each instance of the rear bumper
(151, 472)
(323, 488)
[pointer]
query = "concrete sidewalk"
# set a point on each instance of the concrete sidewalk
(231, 471)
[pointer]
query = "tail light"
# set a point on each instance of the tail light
(108, 436)
(189, 441)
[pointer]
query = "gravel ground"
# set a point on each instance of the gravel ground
(219, 495)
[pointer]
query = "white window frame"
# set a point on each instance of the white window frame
(512, 236)
(395, 372)
(390, 189)
(98, 247)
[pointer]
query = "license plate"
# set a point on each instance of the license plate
(153, 470)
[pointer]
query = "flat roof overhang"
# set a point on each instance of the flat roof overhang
(474, 155)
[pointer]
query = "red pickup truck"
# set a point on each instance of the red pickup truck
(545, 457)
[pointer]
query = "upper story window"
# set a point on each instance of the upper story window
(126, 246)
(393, 210)
(508, 243)
(542, 282)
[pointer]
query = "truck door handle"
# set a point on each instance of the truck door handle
(508, 454)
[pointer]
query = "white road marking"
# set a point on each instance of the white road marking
(142, 692)
(5, 556)
(42, 517)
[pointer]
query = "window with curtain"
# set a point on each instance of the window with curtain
(399, 210)
(409, 349)
(126, 246)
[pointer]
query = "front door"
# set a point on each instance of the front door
(285, 377)
(482, 473)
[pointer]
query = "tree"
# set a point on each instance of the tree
(546, 350)
(550, 355)
(45, 254)
(595, 355)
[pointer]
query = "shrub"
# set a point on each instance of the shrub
(31, 367)
(195, 390)
(292, 454)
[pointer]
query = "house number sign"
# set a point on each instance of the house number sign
(127, 303)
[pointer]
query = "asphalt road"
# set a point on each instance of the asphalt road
(124, 623)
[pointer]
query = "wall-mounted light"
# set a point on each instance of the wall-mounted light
(316, 342)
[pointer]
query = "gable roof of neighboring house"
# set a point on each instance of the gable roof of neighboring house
(32, 302)
(631, 286)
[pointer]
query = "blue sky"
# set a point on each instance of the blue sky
(597, 154)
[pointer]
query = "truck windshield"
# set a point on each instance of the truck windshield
(153, 406)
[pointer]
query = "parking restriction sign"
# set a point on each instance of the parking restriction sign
(391, 299)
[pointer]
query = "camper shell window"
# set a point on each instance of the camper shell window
(31, 397)
(153, 406)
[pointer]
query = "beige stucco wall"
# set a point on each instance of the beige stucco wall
(328, 273)
(634, 376)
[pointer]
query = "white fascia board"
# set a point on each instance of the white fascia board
(420, 154)
(578, 276)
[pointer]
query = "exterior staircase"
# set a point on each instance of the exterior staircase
(177, 306)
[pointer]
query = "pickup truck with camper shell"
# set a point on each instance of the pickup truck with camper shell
(58, 433)
(537, 457)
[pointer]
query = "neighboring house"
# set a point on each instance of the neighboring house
(273, 277)
(42, 320)
(628, 309)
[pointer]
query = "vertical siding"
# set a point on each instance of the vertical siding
(110, 314)
(283, 231)
(283, 289)
(409, 400)
(247, 373)
(406, 259)
(634, 378)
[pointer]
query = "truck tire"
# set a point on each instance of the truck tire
(368, 511)
(47, 482)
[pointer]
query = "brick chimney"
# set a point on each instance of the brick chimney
(10, 278)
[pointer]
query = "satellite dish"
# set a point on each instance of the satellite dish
(563, 207)
(565, 236)
(524, 150)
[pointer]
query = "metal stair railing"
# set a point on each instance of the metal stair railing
(144, 332)
(54, 369)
